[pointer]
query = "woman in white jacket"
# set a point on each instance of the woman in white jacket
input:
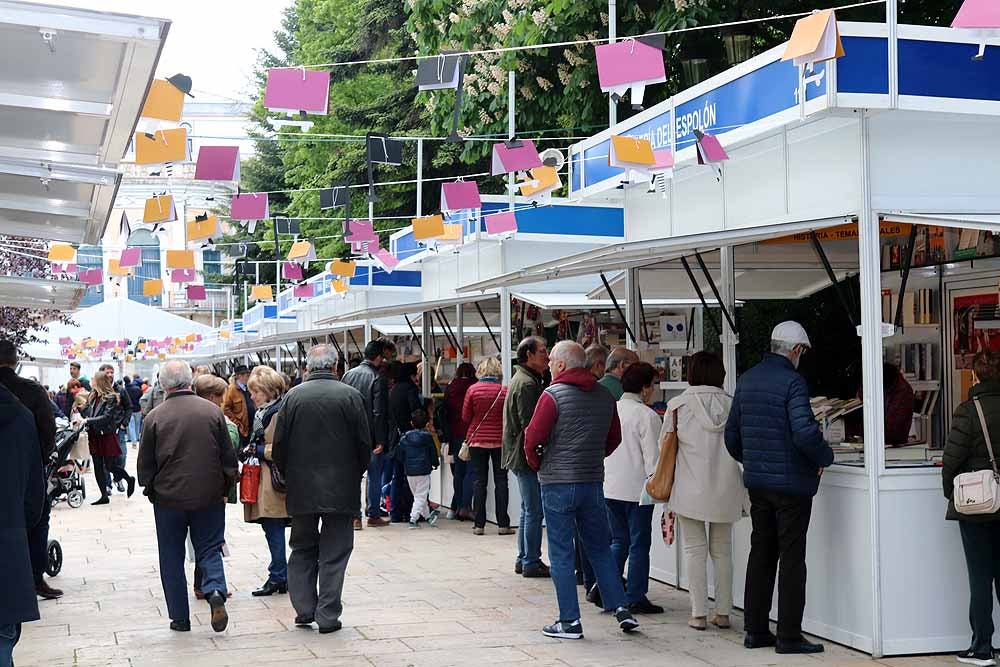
(708, 487)
(625, 473)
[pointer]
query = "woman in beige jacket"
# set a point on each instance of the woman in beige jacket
(266, 389)
(708, 486)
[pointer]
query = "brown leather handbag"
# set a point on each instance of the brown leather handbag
(661, 483)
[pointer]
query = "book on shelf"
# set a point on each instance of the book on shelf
(919, 307)
(829, 409)
(916, 361)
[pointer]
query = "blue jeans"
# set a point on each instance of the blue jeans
(463, 480)
(274, 532)
(376, 471)
(9, 634)
(122, 442)
(135, 426)
(631, 538)
(208, 527)
(529, 537)
(571, 507)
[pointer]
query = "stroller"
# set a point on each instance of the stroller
(65, 482)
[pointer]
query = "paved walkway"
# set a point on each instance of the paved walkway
(426, 598)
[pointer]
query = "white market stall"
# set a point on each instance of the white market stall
(903, 129)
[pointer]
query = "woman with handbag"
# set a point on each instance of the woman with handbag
(104, 412)
(708, 487)
(266, 389)
(969, 478)
(482, 413)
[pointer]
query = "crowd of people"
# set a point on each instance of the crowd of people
(575, 426)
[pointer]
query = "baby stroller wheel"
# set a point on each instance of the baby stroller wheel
(55, 563)
(75, 498)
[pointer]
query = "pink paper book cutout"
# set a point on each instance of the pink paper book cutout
(182, 275)
(460, 195)
(291, 270)
(360, 231)
(506, 160)
(196, 293)
(386, 259)
(664, 160)
(217, 163)
(65, 340)
(501, 223)
(710, 149)
(628, 61)
(130, 257)
(303, 291)
(978, 14)
(297, 90)
(250, 206)
(91, 276)
(64, 268)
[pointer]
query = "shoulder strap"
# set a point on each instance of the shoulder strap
(986, 435)
(488, 411)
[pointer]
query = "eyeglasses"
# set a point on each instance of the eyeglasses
(679, 327)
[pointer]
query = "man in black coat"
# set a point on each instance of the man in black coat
(323, 447)
(34, 397)
(21, 503)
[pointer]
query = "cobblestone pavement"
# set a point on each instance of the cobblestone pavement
(427, 598)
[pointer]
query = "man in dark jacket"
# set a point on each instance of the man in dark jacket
(404, 399)
(133, 388)
(374, 389)
(518, 408)
(323, 447)
(34, 397)
(186, 463)
(21, 503)
(575, 425)
(772, 431)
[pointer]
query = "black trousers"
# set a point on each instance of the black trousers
(38, 543)
(780, 522)
(981, 542)
(481, 459)
(108, 465)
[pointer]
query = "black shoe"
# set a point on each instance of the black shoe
(626, 621)
(43, 590)
(270, 588)
(103, 500)
(131, 486)
(304, 621)
(327, 629)
(981, 659)
(180, 626)
(800, 645)
(579, 578)
(120, 485)
(518, 567)
(540, 571)
(564, 630)
(594, 596)
(644, 606)
(764, 640)
(220, 618)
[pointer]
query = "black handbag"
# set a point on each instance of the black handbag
(277, 479)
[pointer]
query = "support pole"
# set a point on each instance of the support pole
(413, 333)
(612, 35)
(426, 346)
(506, 344)
(729, 336)
(420, 177)
(892, 24)
(633, 304)
(907, 263)
(621, 313)
(460, 332)
(368, 331)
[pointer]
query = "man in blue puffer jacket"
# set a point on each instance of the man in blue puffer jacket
(772, 431)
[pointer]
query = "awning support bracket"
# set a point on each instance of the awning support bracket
(447, 329)
(904, 276)
(413, 332)
(333, 339)
(486, 324)
(642, 311)
(701, 297)
(354, 340)
(718, 297)
(837, 285)
(621, 313)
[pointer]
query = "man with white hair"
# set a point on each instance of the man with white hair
(322, 445)
(771, 430)
(574, 427)
(186, 464)
(618, 362)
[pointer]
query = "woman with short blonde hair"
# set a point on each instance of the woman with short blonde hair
(489, 367)
(482, 413)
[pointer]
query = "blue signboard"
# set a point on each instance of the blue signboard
(942, 69)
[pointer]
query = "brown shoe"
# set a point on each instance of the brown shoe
(220, 619)
(358, 525)
(377, 522)
(508, 530)
(697, 622)
(47, 592)
(478, 531)
(721, 622)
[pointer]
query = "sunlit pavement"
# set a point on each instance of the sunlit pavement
(429, 597)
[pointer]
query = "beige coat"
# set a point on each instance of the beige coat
(270, 503)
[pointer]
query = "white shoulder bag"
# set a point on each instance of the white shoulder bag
(979, 492)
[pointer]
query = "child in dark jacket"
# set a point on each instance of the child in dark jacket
(419, 456)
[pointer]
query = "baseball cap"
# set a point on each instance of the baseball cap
(791, 332)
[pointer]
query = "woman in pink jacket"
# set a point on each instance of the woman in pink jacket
(482, 413)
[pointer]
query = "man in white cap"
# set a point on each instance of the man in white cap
(773, 433)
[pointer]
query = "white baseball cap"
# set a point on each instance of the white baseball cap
(791, 332)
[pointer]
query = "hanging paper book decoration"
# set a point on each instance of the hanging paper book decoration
(60, 252)
(452, 233)
(180, 259)
(196, 292)
(659, 172)
(336, 195)
(386, 259)
(159, 208)
(130, 257)
(306, 291)
(249, 206)
(161, 146)
(460, 195)
(710, 151)
(663, 162)
(514, 155)
(380, 149)
(815, 38)
(302, 252)
(91, 277)
(261, 293)
(64, 268)
(204, 226)
(428, 227)
(501, 223)
(439, 72)
(543, 181)
(339, 286)
(182, 275)
(980, 15)
(291, 90)
(152, 287)
(124, 228)
(630, 153)
(116, 270)
(631, 64)
(218, 163)
(237, 250)
(344, 268)
(291, 271)
(288, 226)
(165, 101)
(360, 234)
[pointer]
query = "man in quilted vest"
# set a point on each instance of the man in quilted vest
(772, 431)
(574, 427)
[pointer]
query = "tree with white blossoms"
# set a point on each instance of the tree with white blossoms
(26, 258)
